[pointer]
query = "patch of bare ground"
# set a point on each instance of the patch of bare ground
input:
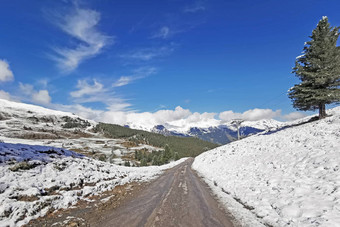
(91, 210)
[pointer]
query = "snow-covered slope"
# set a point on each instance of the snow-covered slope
(20, 120)
(264, 124)
(53, 178)
(36, 179)
(287, 178)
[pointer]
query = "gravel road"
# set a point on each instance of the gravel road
(176, 198)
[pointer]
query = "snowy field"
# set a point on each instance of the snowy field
(287, 178)
(35, 179)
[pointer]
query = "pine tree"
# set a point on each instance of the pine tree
(143, 162)
(127, 163)
(176, 156)
(319, 71)
(167, 153)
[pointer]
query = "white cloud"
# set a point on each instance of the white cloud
(122, 81)
(97, 92)
(81, 25)
(27, 89)
(147, 120)
(258, 114)
(5, 72)
(293, 116)
(148, 53)
(5, 95)
(178, 119)
(250, 115)
(144, 71)
(136, 74)
(39, 97)
(163, 32)
(43, 82)
(164, 116)
(86, 89)
(78, 109)
(197, 6)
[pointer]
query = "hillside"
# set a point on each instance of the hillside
(37, 180)
(184, 146)
(25, 121)
(35, 125)
(285, 178)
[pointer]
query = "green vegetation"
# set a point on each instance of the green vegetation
(75, 122)
(23, 166)
(156, 158)
(127, 163)
(319, 71)
(183, 146)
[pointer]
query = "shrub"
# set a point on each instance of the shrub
(23, 166)
(102, 157)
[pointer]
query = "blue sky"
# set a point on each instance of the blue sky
(104, 59)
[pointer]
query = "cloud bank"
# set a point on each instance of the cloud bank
(179, 119)
(250, 115)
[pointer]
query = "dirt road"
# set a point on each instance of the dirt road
(177, 198)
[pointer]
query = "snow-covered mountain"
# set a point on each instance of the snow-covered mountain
(20, 120)
(286, 177)
(220, 134)
(161, 129)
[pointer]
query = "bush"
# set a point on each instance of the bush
(143, 162)
(127, 163)
(102, 157)
(23, 166)
(75, 122)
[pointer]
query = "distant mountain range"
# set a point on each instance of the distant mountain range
(221, 134)
(19, 120)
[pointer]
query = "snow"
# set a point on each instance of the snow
(25, 152)
(57, 178)
(264, 124)
(290, 177)
(183, 125)
(148, 147)
(18, 106)
(300, 56)
(19, 120)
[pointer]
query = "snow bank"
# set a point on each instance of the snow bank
(287, 178)
(54, 178)
(25, 152)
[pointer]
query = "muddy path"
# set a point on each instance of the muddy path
(176, 198)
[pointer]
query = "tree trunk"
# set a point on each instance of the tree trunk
(322, 110)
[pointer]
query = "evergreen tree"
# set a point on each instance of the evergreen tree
(127, 163)
(155, 161)
(176, 156)
(319, 71)
(143, 162)
(167, 153)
